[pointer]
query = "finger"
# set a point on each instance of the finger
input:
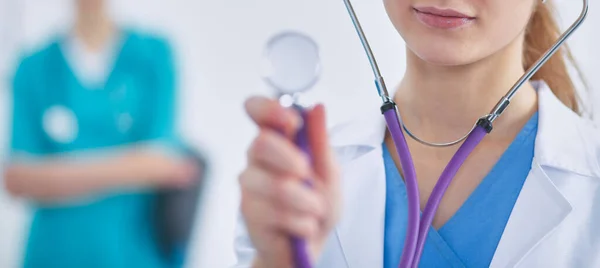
(274, 152)
(289, 192)
(265, 214)
(269, 113)
(323, 158)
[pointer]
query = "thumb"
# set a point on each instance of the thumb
(323, 159)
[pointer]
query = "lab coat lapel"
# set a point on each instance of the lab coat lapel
(538, 211)
(541, 206)
(361, 228)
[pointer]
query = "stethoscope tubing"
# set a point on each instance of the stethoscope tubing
(390, 112)
(299, 246)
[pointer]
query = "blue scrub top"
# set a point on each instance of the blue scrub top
(471, 236)
(136, 104)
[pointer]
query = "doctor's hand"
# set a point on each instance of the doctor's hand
(275, 203)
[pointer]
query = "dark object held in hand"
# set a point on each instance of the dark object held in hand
(176, 210)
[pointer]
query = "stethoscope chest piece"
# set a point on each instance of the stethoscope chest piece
(60, 124)
(291, 65)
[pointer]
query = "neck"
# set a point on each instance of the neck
(441, 104)
(94, 28)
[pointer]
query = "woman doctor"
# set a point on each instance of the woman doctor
(93, 135)
(527, 197)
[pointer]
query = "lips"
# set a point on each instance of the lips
(443, 18)
(443, 12)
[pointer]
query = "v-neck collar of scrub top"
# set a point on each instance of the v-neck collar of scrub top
(117, 54)
(92, 68)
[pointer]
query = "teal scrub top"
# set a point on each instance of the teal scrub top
(135, 104)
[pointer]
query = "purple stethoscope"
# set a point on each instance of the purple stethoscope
(292, 67)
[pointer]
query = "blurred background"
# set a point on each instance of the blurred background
(216, 50)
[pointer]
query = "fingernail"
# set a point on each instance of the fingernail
(251, 103)
(291, 119)
(319, 107)
(283, 117)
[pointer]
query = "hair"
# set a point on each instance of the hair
(541, 33)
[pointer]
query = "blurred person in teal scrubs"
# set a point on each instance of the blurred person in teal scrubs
(92, 138)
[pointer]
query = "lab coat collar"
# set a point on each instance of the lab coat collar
(368, 129)
(560, 137)
(540, 208)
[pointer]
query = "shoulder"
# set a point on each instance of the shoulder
(590, 138)
(32, 64)
(582, 148)
(146, 42)
(566, 140)
(37, 56)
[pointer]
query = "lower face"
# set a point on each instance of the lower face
(90, 5)
(459, 32)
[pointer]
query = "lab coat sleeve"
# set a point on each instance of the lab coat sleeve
(27, 138)
(244, 250)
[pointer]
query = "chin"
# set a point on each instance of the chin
(90, 5)
(443, 59)
(444, 53)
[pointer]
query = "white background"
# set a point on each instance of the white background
(219, 44)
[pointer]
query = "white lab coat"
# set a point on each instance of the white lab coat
(555, 221)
